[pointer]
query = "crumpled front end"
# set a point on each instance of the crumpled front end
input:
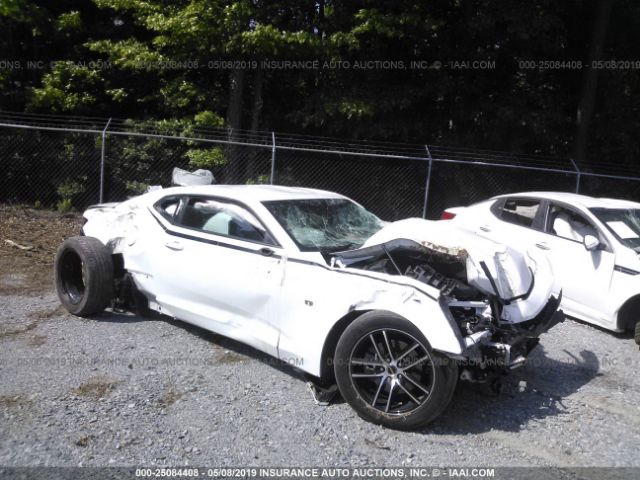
(501, 299)
(494, 345)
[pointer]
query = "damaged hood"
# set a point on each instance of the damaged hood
(522, 279)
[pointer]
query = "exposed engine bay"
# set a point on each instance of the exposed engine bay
(489, 289)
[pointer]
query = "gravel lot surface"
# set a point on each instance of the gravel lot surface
(121, 390)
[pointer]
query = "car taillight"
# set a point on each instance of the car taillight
(447, 215)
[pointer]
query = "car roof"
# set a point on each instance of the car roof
(577, 199)
(257, 193)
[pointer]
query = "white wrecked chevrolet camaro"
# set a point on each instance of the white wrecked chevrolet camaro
(393, 313)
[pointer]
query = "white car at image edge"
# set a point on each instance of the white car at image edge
(593, 245)
(393, 314)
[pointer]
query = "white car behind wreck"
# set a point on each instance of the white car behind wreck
(394, 314)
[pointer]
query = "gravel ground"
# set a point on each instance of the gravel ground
(120, 390)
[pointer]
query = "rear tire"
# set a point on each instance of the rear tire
(84, 275)
(389, 374)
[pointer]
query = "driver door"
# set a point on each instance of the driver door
(218, 267)
(585, 275)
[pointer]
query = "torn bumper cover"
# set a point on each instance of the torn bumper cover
(506, 348)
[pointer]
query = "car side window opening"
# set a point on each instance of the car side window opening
(168, 207)
(520, 211)
(568, 224)
(224, 218)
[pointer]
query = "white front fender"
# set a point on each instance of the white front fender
(430, 317)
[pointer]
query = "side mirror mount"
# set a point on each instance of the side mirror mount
(590, 242)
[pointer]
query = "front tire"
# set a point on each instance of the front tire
(84, 275)
(389, 374)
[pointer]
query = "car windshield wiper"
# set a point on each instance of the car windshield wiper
(340, 248)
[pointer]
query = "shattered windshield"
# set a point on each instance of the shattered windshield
(325, 224)
(624, 223)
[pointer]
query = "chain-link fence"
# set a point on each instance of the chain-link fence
(72, 162)
(45, 167)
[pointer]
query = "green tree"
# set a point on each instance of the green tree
(505, 107)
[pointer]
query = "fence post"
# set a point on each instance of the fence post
(426, 186)
(104, 139)
(273, 157)
(578, 174)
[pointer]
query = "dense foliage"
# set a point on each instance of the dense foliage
(354, 77)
